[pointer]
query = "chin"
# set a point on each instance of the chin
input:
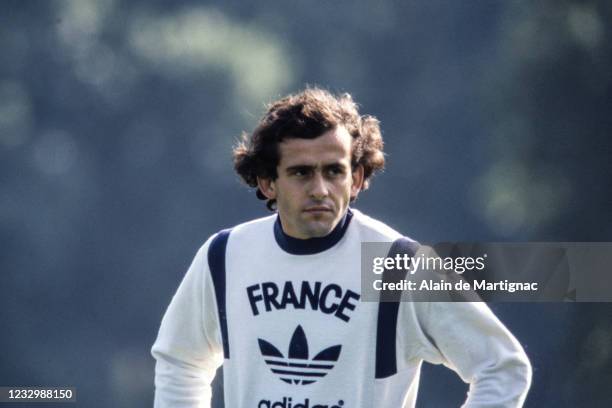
(318, 231)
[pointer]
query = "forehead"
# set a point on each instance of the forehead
(332, 146)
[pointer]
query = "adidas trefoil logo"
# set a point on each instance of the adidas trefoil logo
(297, 368)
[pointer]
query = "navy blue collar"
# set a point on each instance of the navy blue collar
(311, 246)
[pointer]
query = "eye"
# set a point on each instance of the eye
(335, 171)
(299, 172)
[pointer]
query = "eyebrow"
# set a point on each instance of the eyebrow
(309, 167)
(300, 167)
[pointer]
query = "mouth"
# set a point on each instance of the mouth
(318, 209)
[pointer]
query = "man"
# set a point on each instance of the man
(276, 300)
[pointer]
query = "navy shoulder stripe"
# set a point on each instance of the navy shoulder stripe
(388, 308)
(216, 263)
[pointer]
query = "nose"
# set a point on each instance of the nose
(318, 187)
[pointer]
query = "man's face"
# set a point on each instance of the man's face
(314, 184)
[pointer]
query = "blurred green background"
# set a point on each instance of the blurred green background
(116, 125)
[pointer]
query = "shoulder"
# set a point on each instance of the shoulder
(374, 230)
(253, 229)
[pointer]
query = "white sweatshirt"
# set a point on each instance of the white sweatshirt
(284, 318)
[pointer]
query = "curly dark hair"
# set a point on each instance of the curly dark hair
(307, 115)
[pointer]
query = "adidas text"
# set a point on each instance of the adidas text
(288, 403)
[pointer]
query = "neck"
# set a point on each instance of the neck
(311, 246)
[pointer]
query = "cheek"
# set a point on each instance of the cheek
(345, 189)
(289, 196)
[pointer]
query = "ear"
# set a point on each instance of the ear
(357, 185)
(267, 187)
